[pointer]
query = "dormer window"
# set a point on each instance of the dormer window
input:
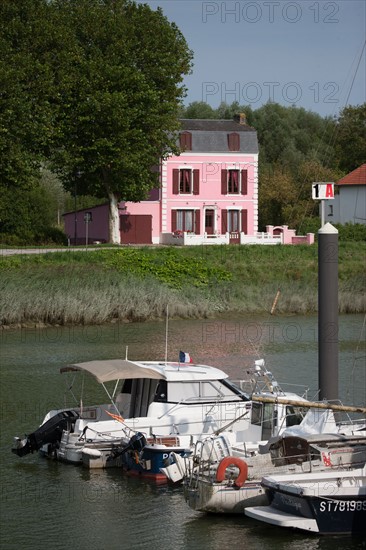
(233, 140)
(185, 139)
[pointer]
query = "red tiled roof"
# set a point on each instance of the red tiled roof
(356, 177)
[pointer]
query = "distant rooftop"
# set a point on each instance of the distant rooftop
(356, 177)
(211, 125)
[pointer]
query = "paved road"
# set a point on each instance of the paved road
(13, 251)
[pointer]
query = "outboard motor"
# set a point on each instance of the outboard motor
(136, 443)
(49, 432)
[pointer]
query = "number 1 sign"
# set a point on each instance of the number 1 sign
(322, 191)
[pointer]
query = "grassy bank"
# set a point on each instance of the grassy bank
(136, 284)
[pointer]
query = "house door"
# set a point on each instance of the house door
(136, 229)
(209, 222)
(234, 226)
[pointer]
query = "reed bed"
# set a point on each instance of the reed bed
(137, 284)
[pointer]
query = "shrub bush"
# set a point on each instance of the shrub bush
(346, 232)
(11, 240)
(351, 232)
(51, 235)
(46, 236)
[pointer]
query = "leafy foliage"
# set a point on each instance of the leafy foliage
(168, 266)
(118, 94)
(351, 137)
(351, 232)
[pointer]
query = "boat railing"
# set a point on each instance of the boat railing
(299, 389)
(198, 400)
(357, 424)
(259, 386)
(110, 434)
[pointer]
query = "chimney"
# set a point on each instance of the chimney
(242, 119)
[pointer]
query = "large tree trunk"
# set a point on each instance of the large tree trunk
(114, 233)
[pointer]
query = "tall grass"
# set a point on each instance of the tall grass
(138, 284)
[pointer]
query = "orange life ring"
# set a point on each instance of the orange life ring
(233, 461)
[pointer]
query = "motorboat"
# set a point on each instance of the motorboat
(332, 502)
(150, 403)
(229, 481)
(167, 459)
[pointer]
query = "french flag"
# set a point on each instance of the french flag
(184, 357)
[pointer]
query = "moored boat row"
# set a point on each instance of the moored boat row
(183, 421)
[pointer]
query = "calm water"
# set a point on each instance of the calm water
(47, 504)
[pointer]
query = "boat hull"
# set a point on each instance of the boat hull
(333, 515)
(150, 461)
(224, 499)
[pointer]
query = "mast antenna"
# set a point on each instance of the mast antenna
(166, 333)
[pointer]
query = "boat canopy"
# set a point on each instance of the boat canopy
(114, 369)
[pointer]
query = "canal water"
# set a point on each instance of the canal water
(45, 504)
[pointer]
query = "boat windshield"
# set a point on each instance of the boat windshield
(235, 389)
(294, 415)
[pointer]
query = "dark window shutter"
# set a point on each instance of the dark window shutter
(196, 182)
(233, 140)
(174, 220)
(175, 181)
(244, 221)
(185, 140)
(223, 182)
(244, 182)
(197, 222)
(223, 221)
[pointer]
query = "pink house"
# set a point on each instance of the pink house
(211, 189)
(209, 193)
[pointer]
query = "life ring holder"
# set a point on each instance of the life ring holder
(233, 461)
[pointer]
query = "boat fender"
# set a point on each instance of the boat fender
(92, 453)
(233, 461)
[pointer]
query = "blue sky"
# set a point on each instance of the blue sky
(303, 52)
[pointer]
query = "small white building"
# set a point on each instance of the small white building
(349, 205)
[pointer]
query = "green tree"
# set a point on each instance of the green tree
(26, 214)
(277, 190)
(119, 75)
(25, 109)
(198, 109)
(351, 137)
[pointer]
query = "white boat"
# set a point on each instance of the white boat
(158, 400)
(230, 481)
(325, 503)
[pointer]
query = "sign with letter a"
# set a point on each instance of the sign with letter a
(321, 190)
